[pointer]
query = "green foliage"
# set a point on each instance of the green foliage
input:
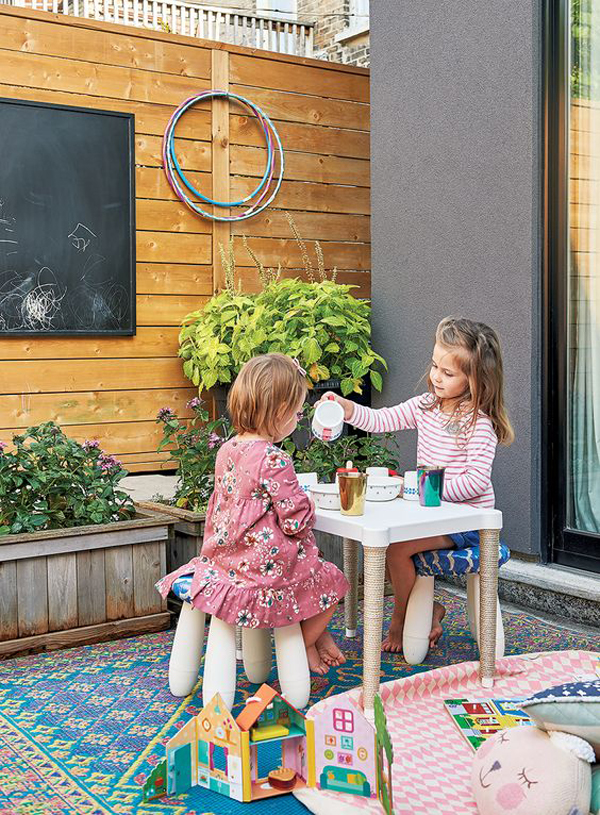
(317, 321)
(194, 446)
(325, 458)
(51, 481)
(321, 324)
(585, 50)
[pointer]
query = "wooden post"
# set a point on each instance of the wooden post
(220, 162)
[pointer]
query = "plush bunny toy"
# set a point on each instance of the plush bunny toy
(526, 771)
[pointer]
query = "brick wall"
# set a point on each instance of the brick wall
(331, 18)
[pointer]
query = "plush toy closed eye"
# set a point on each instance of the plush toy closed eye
(525, 771)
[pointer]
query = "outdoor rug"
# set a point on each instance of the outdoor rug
(80, 729)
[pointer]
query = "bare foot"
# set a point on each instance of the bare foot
(436, 624)
(315, 663)
(329, 650)
(392, 644)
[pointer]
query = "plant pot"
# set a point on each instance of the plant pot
(185, 542)
(219, 394)
(86, 584)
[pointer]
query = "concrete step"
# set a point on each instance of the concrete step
(565, 593)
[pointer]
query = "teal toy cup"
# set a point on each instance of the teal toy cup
(431, 485)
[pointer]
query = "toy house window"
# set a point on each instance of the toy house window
(219, 758)
(343, 720)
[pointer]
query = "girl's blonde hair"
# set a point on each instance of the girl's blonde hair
(265, 393)
(476, 349)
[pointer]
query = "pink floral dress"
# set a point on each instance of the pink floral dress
(259, 566)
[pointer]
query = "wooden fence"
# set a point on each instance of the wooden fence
(111, 389)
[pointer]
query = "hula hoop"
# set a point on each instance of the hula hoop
(177, 179)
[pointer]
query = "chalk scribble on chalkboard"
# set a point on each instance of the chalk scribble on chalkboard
(31, 301)
(81, 237)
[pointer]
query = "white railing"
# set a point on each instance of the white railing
(191, 19)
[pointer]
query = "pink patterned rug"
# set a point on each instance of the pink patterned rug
(432, 763)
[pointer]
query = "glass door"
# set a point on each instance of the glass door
(576, 285)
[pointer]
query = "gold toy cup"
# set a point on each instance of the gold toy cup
(353, 489)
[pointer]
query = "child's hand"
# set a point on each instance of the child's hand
(345, 403)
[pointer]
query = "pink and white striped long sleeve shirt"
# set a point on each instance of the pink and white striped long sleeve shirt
(467, 457)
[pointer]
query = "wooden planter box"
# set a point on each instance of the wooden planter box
(185, 542)
(76, 586)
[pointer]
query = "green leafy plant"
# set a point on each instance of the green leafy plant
(50, 481)
(324, 458)
(194, 446)
(318, 321)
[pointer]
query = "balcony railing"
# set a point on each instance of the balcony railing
(191, 19)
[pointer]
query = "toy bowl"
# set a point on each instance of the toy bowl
(326, 496)
(383, 488)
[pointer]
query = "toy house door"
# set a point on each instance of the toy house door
(180, 769)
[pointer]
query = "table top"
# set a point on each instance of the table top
(385, 522)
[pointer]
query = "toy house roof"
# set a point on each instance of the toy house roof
(257, 704)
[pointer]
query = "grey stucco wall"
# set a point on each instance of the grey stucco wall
(456, 212)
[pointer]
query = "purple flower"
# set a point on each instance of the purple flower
(89, 445)
(214, 440)
(3, 446)
(166, 413)
(194, 403)
(108, 463)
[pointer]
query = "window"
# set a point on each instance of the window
(573, 231)
(343, 720)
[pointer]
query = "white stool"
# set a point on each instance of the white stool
(220, 660)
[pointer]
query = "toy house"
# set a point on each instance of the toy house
(271, 748)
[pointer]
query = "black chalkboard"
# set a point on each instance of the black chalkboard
(67, 220)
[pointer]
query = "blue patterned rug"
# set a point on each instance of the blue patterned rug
(81, 729)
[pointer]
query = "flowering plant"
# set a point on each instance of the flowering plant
(50, 481)
(194, 446)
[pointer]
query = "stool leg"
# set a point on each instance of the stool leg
(351, 572)
(292, 665)
(417, 623)
(256, 650)
(473, 605)
(186, 651)
(219, 663)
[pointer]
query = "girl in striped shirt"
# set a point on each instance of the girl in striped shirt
(459, 422)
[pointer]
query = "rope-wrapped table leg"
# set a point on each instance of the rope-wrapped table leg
(488, 601)
(374, 571)
(351, 572)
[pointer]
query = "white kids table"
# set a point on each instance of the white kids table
(396, 521)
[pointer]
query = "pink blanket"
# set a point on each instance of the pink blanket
(432, 762)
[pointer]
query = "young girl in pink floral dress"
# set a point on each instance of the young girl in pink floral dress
(259, 565)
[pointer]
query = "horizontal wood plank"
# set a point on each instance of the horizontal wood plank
(191, 154)
(173, 278)
(321, 226)
(93, 407)
(303, 167)
(77, 375)
(109, 81)
(173, 247)
(362, 280)
(147, 342)
(49, 38)
(272, 251)
(163, 309)
(256, 71)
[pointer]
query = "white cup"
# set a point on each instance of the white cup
(411, 486)
(308, 480)
(328, 420)
(378, 471)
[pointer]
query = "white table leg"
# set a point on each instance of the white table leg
(351, 572)
(374, 571)
(488, 604)
(417, 623)
(186, 651)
